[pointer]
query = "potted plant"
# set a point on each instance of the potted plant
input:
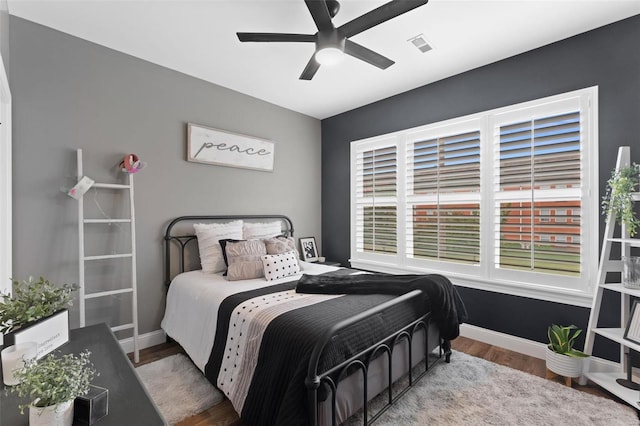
(51, 385)
(618, 200)
(31, 301)
(562, 358)
(37, 312)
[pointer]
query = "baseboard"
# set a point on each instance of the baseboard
(144, 340)
(513, 343)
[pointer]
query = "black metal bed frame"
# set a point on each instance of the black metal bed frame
(183, 240)
(360, 361)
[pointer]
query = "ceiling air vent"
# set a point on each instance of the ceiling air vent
(421, 43)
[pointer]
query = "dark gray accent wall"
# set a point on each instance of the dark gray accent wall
(607, 57)
(69, 93)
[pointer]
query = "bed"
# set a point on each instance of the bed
(313, 347)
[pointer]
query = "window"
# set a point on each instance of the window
(544, 215)
(377, 202)
(501, 200)
(443, 194)
(538, 170)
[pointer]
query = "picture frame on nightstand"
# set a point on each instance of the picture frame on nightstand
(309, 249)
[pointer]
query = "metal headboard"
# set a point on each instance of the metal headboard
(183, 239)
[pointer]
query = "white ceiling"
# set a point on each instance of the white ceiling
(197, 37)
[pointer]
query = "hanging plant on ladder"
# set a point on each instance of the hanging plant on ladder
(618, 199)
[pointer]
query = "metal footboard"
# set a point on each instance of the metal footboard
(362, 360)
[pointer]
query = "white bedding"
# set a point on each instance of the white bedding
(192, 306)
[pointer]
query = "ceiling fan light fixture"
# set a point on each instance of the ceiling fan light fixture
(332, 42)
(329, 56)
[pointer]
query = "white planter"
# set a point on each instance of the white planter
(564, 365)
(14, 358)
(53, 415)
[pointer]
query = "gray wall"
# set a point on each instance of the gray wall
(608, 57)
(69, 93)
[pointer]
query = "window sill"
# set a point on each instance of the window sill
(547, 293)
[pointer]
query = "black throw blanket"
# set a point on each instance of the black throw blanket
(440, 296)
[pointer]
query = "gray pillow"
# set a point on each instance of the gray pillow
(280, 245)
(245, 259)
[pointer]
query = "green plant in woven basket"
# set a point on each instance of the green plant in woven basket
(54, 379)
(618, 199)
(31, 301)
(561, 340)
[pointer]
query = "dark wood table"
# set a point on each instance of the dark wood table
(129, 402)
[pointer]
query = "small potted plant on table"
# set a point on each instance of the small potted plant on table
(51, 385)
(36, 312)
(31, 301)
(562, 359)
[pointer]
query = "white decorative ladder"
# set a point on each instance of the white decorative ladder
(598, 371)
(83, 292)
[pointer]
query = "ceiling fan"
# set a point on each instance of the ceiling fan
(332, 42)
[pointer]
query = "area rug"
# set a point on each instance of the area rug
(473, 391)
(178, 388)
(469, 391)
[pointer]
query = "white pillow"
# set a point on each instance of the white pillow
(209, 235)
(280, 265)
(257, 230)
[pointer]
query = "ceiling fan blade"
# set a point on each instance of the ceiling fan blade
(276, 37)
(320, 14)
(358, 51)
(377, 16)
(310, 70)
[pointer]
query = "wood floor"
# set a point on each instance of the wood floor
(224, 415)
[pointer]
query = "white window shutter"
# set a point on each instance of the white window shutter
(376, 204)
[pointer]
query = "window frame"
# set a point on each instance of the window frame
(484, 276)
(356, 202)
(448, 127)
